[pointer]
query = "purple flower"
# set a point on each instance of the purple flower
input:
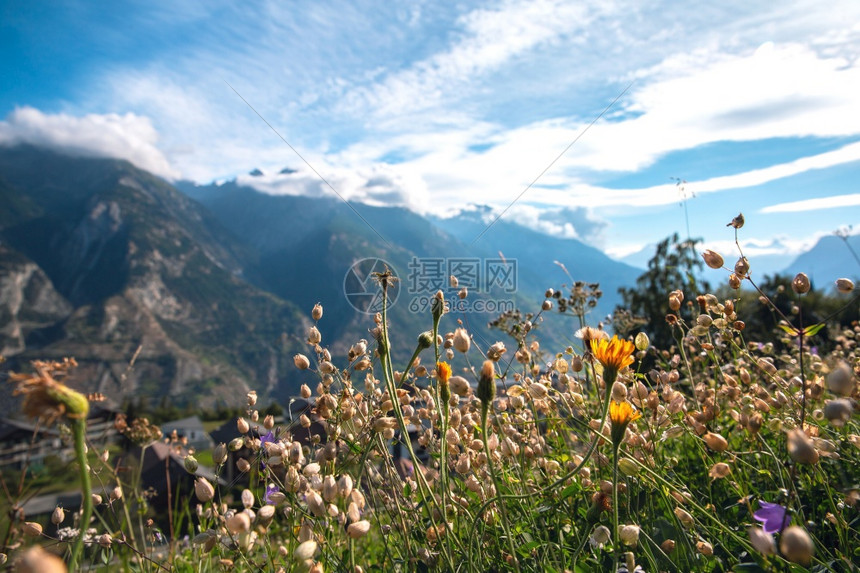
(772, 515)
(267, 438)
(270, 489)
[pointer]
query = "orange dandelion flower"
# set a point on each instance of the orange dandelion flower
(614, 355)
(443, 371)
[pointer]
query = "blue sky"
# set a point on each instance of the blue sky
(437, 105)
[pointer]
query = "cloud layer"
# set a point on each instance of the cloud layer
(127, 136)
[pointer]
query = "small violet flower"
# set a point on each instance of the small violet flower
(264, 439)
(772, 515)
(270, 489)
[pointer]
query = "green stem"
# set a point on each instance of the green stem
(496, 484)
(616, 537)
(79, 431)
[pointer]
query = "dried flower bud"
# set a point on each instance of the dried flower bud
(737, 222)
(742, 267)
(795, 545)
(203, 489)
(31, 529)
(58, 516)
(719, 470)
(305, 550)
(684, 517)
(705, 548)
(219, 453)
(37, 560)
(242, 425)
(317, 311)
(800, 284)
(716, 442)
(734, 281)
(238, 523)
(495, 351)
(629, 535)
(713, 259)
(301, 361)
(801, 448)
(314, 336)
(841, 381)
(844, 285)
(838, 411)
(762, 541)
(358, 529)
(461, 340)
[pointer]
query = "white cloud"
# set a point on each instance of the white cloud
(128, 136)
(852, 200)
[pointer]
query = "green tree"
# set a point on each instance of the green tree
(674, 266)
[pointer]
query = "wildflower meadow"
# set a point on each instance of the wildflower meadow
(708, 450)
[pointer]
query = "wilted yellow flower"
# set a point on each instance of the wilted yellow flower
(46, 398)
(614, 354)
(620, 415)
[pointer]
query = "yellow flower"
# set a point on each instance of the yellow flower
(443, 371)
(620, 415)
(613, 354)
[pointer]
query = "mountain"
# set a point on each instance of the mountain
(540, 256)
(197, 294)
(831, 258)
(127, 266)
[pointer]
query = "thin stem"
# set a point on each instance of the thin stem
(79, 432)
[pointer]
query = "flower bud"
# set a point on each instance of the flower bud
(844, 285)
(742, 267)
(219, 453)
(31, 529)
(801, 448)
(796, 545)
(242, 425)
(629, 535)
(487, 383)
(358, 529)
(762, 541)
(203, 489)
(461, 340)
(716, 442)
(734, 281)
(301, 361)
(641, 341)
(713, 259)
(841, 379)
(190, 464)
(238, 523)
(800, 284)
(314, 336)
(317, 311)
(737, 222)
(58, 516)
(838, 411)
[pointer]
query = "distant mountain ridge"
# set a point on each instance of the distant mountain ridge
(140, 265)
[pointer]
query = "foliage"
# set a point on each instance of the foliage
(568, 459)
(674, 266)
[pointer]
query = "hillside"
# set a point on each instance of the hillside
(141, 266)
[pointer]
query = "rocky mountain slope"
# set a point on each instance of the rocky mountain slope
(146, 272)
